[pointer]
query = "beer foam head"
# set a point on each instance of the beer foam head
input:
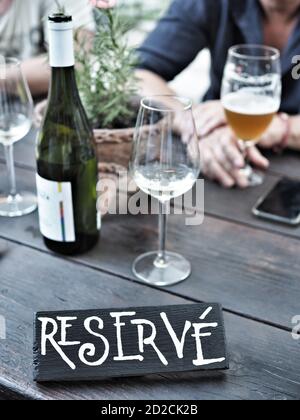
(250, 103)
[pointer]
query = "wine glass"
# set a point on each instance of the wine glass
(251, 96)
(16, 113)
(165, 164)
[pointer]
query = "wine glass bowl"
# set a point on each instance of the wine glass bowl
(165, 164)
(251, 95)
(16, 113)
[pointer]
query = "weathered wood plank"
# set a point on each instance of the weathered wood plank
(234, 205)
(286, 164)
(264, 360)
(248, 271)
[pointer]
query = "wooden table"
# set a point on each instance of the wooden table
(251, 267)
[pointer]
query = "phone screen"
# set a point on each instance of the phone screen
(283, 201)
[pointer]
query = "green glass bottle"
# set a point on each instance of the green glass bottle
(66, 161)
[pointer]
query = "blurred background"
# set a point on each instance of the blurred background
(192, 82)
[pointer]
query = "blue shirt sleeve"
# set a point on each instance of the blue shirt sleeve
(179, 36)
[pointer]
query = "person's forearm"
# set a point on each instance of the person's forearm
(294, 140)
(150, 84)
(37, 72)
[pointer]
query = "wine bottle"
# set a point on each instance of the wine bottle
(66, 162)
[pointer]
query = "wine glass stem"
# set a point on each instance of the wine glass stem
(161, 257)
(243, 148)
(9, 155)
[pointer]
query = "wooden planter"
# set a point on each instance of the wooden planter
(114, 146)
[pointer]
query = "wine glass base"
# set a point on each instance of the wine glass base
(20, 205)
(174, 271)
(254, 178)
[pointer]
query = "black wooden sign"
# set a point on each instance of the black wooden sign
(96, 344)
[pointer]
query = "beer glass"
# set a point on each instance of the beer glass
(251, 96)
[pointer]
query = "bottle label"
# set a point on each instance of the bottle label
(56, 213)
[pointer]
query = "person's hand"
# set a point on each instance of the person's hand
(222, 159)
(274, 134)
(39, 112)
(209, 116)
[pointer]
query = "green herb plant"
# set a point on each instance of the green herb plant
(105, 73)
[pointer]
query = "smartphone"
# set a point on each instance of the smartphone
(282, 204)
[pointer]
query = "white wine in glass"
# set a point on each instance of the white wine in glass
(165, 164)
(16, 113)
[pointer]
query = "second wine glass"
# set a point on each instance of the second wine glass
(16, 113)
(165, 164)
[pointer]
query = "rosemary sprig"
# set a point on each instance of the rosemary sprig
(60, 7)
